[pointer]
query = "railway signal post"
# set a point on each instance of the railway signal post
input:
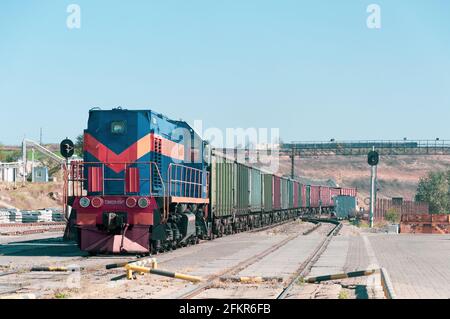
(67, 149)
(372, 160)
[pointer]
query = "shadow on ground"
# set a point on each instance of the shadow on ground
(52, 247)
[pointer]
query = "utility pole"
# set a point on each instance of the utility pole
(372, 160)
(32, 165)
(372, 194)
(40, 137)
(24, 161)
(292, 163)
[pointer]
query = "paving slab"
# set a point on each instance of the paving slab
(418, 264)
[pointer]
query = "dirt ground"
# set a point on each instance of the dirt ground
(31, 196)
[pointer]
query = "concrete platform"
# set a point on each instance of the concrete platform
(418, 264)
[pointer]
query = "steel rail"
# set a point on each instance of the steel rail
(240, 266)
(306, 266)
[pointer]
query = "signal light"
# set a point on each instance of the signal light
(143, 202)
(131, 202)
(84, 202)
(373, 158)
(97, 202)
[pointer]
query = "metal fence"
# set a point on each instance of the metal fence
(404, 207)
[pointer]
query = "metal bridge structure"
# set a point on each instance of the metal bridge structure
(362, 148)
(356, 148)
(347, 148)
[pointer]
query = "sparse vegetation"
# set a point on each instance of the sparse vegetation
(435, 189)
(360, 223)
(13, 155)
(343, 294)
(61, 295)
(79, 145)
(301, 281)
(392, 216)
(9, 156)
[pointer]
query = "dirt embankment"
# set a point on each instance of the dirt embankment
(31, 196)
(398, 176)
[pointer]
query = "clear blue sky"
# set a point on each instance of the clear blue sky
(311, 68)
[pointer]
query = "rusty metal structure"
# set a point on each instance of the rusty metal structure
(425, 223)
(403, 207)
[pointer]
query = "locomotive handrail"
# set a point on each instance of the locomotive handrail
(195, 188)
(74, 176)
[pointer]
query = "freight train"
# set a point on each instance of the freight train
(149, 184)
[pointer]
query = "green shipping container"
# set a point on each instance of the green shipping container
(242, 189)
(256, 191)
(284, 194)
(345, 206)
(308, 196)
(268, 192)
(299, 203)
(291, 193)
(223, 175)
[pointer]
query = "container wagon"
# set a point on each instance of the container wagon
(314, 195)
(284, 193)
(276, 201)
(325, 197)
(334, 192)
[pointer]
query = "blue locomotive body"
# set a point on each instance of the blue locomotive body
(142, 173)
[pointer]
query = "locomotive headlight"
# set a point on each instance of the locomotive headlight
(143, 202)
(84, 202)
(131, 202)
(97, 202)
(118, 127)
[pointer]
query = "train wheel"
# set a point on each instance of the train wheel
(155, 246)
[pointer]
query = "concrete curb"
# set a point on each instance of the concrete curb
(386, 283)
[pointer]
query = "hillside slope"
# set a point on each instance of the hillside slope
(398, 176)
(31, 196)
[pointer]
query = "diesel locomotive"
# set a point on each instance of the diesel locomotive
(148, 184)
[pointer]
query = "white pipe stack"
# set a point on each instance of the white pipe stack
(49, 215)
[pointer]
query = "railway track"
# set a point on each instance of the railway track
(83, 259)
(242, 265)
(306, 266)
(17, 229)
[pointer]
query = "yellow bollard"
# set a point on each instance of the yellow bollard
(249, 280)
(141, 269)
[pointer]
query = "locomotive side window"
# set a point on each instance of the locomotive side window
(118, 127)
